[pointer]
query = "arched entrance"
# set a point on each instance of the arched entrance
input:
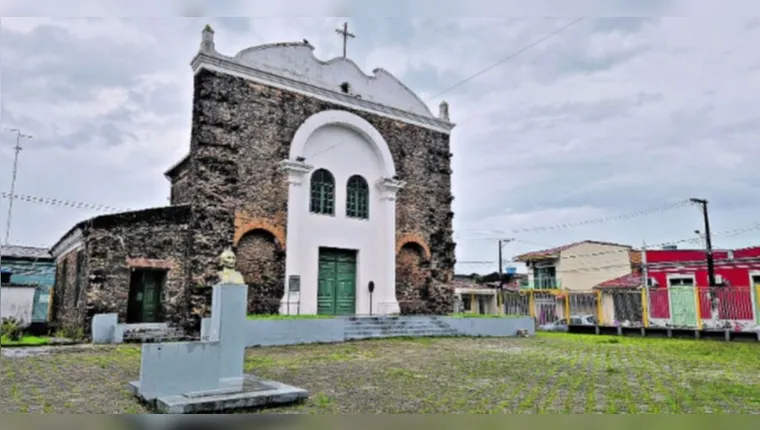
(327, 226)
(412, 278)
(262, 262)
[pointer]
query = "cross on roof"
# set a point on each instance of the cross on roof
(345, 33)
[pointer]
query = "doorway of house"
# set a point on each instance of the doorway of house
(144, 305)
(336, 291)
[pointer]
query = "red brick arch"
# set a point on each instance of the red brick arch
(245, 224)
(415, 238)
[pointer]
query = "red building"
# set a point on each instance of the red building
(737, 271)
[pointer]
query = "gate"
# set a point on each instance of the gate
(683, 306)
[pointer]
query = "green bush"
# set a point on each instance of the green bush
(70, 332)
(11, 329)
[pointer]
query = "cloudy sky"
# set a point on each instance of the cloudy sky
(610, 116)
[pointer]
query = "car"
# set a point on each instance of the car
(582, 320)
(559, 325)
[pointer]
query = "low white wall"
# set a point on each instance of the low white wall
(17, 302)
(288, 332)
(491, 327)
(106, 328)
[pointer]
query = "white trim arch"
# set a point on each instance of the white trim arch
(346, 119)
(373, 239)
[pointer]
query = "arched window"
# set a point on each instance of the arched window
(357, 198)
(322, 192)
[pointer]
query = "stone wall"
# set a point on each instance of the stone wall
(180, 191)
(113, 246)
(179, 194)
(242, 130)
(261, 262)
(66, 307)
(412, 275)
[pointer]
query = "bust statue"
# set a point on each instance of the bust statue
(228, 274)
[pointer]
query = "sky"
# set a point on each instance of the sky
(611, 116)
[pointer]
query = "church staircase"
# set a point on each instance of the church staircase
(389, 326)
(148, 333)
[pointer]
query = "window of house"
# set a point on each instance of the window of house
(357, 198)
(466, 303)
(322, 192)
(684, 281)
(545, 277)
(345, 87)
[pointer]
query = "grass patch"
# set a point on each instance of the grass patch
(275, 317)
(25, 341)
(469, 315)
(547, 374)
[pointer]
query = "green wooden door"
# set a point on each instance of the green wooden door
(151, 290)
(145, 296)
(336, 292)
(684, 306)
(326, 288)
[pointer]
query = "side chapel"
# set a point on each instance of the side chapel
(317, 175)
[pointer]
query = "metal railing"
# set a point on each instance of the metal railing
(701, 308)
(541, 284)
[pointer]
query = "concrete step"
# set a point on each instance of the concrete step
(391, 319)
(398, 322)
(394, 326)
(389, 329)
(153, 335)
(358, 336)
(400, 332)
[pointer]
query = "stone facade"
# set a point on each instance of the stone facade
(242, 130)
(230, 191)
(111, 246)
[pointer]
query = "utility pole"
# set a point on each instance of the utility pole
(644, 269)
(708, 242)
(12, 195)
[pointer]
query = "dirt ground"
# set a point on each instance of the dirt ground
(552, 373)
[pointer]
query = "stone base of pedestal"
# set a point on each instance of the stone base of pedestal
(255, 394)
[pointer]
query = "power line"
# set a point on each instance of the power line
(60, 202)
(722, 234)
(507, 58)
(468, 79)
(618, 217)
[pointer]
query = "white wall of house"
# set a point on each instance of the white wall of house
(345, 145)
(17, 302)
(586, 265)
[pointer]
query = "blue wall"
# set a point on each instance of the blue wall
(28, 272)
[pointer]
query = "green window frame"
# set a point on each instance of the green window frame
(357, 198)
(322, 192)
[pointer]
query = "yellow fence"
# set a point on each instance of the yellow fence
(720, 308)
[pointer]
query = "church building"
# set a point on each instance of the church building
(333, 188)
